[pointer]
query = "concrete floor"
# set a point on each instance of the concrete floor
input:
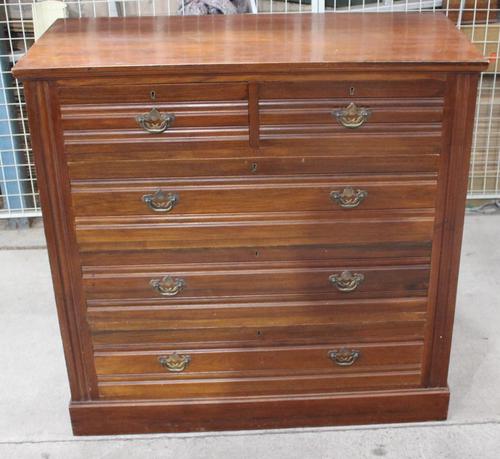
(34, 394)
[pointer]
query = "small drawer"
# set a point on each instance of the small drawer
(258, 371)
(292, 280)
(114, 118)
(199, 197)
(352, 116)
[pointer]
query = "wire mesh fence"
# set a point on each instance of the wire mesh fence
(478, 19)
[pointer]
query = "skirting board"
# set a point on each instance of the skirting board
(134, 417)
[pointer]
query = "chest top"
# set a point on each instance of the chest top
(244, 43)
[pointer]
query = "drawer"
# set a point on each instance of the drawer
(353, 114)
(267, 323)
(214, 283)
(116, 199)
(344, 117)
(257, 371)
(91, 163)
(415, 252)
(165, 116)
(311, 229)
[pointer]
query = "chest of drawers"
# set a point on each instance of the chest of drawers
(253, 221)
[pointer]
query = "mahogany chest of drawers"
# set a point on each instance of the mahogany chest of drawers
(253, 221)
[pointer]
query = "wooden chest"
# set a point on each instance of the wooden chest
(253, 221)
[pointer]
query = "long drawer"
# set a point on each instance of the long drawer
(378, 157)
(286, 280)
(257, 371)
(118, 199)
(418, 251)
(254, 231)
(226, 324)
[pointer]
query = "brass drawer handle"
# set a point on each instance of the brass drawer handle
(344, 357)
(348, 198)
(155, 122)
(168, 286)
(161, 201)
(347, 281)
(175, 362)
(352, 116)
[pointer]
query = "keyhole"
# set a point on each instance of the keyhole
(256, 253)
(351, 91)
(153, 95)
(253, 167)
(259, 333)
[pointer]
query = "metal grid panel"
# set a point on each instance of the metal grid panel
(18, 189)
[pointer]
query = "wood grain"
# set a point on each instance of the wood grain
(260, 371)
(255, 232)
(59, 232)
(100, 418)
(255, 282)
(419, 87)
(186, 44)
(410, 252)
(229, 324)
(261, 361)
(94, 167)
(118, 199)
(462, 117)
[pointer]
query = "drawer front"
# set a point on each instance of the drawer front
(416, 158)
(307, 229)
(290, 280)
(224, 324)
(415, 251)
(154, 116)
(233, 197)
(229, 372)
(319, 111)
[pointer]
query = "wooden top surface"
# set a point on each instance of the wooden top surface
(243, 43)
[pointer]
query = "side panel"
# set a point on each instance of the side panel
(462, 109)
(55, 199)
